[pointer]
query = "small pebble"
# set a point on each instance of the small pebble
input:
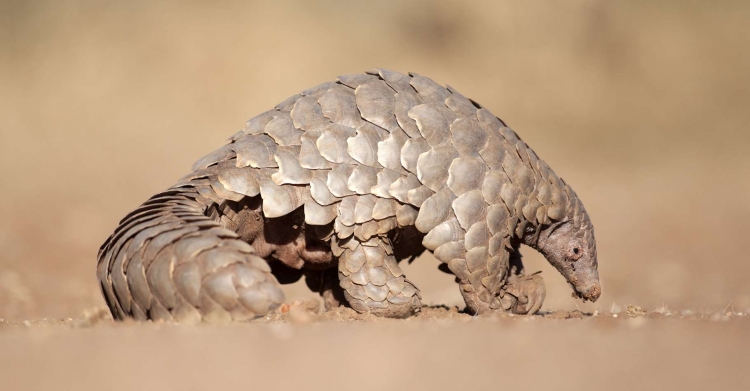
(614, 315)
(634, 310)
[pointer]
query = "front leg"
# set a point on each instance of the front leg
(372, 280)
(499, 285)
(522, 294)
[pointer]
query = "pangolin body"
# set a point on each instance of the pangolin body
(339, 183)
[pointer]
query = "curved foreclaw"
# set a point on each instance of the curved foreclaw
(529, 293)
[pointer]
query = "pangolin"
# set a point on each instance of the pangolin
(339, 183)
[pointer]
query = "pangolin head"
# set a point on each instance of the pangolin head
(570, 247)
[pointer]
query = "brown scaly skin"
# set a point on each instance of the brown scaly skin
(339, 183)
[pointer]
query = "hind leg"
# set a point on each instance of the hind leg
(372, 280)
(326, 284)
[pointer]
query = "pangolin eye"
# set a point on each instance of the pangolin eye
(575, 252)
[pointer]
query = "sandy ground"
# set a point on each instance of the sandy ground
(439, 349)
(641, 106)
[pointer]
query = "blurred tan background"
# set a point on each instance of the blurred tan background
(644, 107)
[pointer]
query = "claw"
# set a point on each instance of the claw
(529, 292)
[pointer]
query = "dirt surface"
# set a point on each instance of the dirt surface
(640, 106)
(438, 349)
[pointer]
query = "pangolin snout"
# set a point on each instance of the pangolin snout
(587, 292)
(593, 293)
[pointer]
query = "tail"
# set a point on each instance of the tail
(168, 260)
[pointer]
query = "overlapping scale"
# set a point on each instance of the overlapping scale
(469, 208)
(435, 210)
(460, 104)
(362, 179)
(467, 136)
(332, 143)
(255, 151)
(466, 174)
(432, 124)
(389, 149)
(339, 105)
(410, 152)
(431, 166)
(376, 103)
(430, 91)
(400, 188)
(257, 124)
(240, 180)
(364, 146)
(290, 171)
(283, 131)
(405, 101)
(398, 81)
(309, 156)
(356, 80)
(279, 200)
(385, 179)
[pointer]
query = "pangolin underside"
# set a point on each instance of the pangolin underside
(339, 183)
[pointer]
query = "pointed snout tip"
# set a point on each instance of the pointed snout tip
(593, 293)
